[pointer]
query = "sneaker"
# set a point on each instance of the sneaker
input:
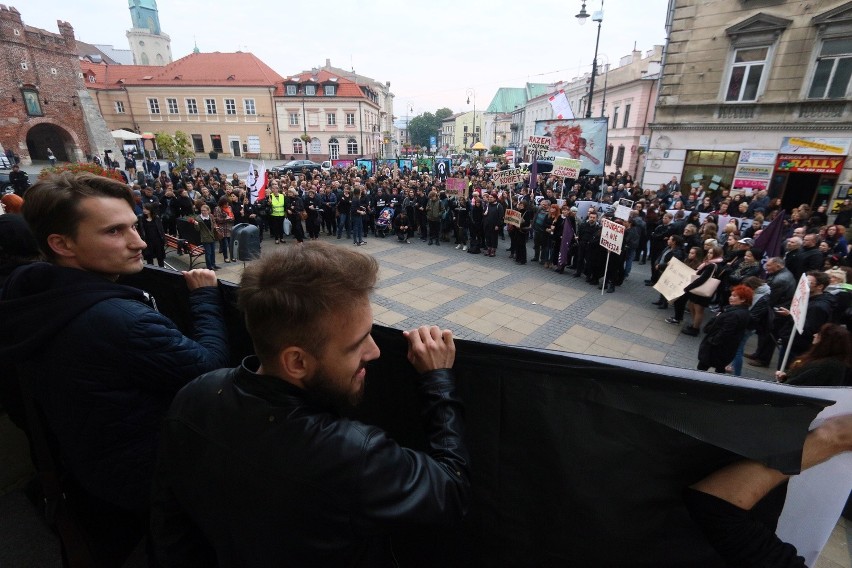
(689, 330)
(464, 248)
(458, 247)
(407, 241)
(673, 321)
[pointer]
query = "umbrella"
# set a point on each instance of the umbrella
(125, 135)
(479, 146)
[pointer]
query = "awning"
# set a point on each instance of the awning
(148, 136)
(125, 135)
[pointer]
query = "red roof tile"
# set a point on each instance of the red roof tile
(346, 87)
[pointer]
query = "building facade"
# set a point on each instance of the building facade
(756, 96)
(323, 116)
(224, 102)
(43, 93)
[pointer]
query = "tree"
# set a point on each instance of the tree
(426, 125)
(498, 150)
(177, 148)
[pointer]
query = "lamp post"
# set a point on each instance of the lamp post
(596, 17)
(472, 93)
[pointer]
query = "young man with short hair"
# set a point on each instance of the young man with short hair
(99, 361)
(257, 466)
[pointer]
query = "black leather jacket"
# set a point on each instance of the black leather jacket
(252, 473)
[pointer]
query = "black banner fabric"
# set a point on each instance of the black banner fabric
(576, 461)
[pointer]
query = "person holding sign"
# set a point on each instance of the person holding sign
(819, 310)
(518, 235)
(826, 363)
(708, 269)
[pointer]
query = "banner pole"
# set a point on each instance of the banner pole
(606, 268)
(787, 352)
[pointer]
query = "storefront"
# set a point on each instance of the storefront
(807, 170)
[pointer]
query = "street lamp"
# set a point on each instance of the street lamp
(596, 17)
(472, 93)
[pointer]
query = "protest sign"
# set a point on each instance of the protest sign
(507, 177)
(623, 209)
(561, 106)
(513, 217)
(538, 145)
(456, 186)
(674, 279)
(799, 305)
(612, 235)
(566, 168)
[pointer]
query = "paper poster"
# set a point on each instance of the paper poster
(612, 236)
(513, 217)
(674, 279)
(561, 106)
(456, 186)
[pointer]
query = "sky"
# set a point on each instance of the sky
(432, 53)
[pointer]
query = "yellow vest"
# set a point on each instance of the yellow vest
(277, 203)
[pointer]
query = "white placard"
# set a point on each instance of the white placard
(612, 236)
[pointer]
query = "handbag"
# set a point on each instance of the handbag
(708, 288)
(303, 215)
(288, 226)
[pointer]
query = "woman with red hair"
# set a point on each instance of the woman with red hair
(725, 331)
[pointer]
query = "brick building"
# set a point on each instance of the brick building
(42, 94)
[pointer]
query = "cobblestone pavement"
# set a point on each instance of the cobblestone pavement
(498, 301)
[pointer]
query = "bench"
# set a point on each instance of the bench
(194, 251)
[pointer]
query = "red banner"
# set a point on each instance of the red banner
(810, 164)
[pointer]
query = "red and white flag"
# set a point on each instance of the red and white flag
(257, 181)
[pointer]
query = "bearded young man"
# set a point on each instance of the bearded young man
(257, 466)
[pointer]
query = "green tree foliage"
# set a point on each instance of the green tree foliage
(498, 150)
(423, 126)
(177, 148)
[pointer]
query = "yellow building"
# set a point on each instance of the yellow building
(223, 101)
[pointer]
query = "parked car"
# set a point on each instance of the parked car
(5, 184)
(295, 166)
(326, 166)
(5, 164)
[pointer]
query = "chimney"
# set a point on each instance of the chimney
(327, 62)
(67, 32)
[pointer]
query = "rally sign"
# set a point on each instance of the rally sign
(612, 235)
(513, 217)
(507, 177)
(456, 186)
(799, 305)
(538, 145)
(566, 168)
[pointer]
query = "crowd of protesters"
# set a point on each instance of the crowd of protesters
(714, 233)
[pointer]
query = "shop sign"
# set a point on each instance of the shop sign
(817, 146)
(810, 164)
(758, 157)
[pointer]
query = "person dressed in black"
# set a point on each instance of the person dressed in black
(295, 211)
(152, 232)
(725, 331)
(492, 220)
(520, 234)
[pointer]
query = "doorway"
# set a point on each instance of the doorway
(799, 188)
(43, 136)
(235, 148)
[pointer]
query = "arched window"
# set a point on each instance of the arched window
(297, 146)
(144, 59)
(333, 149)
(316, 146)
(609, 152)
(352, 146)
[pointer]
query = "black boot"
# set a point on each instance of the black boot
(610, 288)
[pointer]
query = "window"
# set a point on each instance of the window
(53, 70)
(700, 166)
(216, 139)
(615, 117)
(297, 146)
(153, 106)
(173, 106)
(609, 153)
(350, 119)
(330, 118)
(316, 146)
(198, 143)
(294, 119)
(619, 157)
(24, 66)
(746, 73)
(91, 78)
(191, 107)
(310, 90)
(626, 116)
(210, 104)
(351, 146)
(833, 70)
(334, 149)
(329, 90)
(292, 90)
(248, 106)
(119, 107)
(231, 107)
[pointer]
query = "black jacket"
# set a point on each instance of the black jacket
(104, 365)
(253, 473)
